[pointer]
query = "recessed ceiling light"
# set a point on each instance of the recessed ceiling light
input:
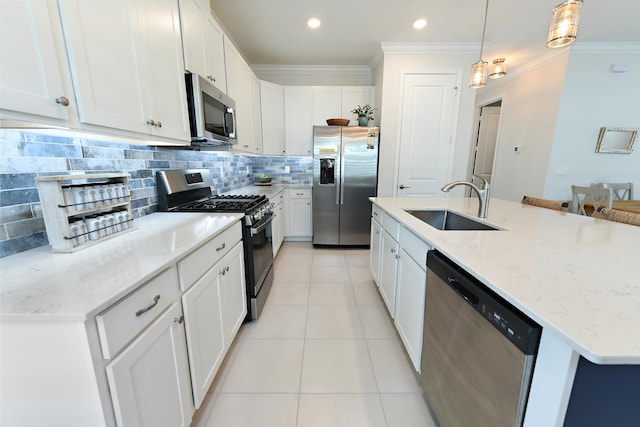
(313, 23)
(420, 23)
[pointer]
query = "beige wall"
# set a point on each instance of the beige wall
(593, 97)
(530, 105)
(554, 113)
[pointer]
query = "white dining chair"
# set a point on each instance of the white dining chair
(592, 197)
(621, 190)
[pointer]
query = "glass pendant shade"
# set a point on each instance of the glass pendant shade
(564, 24)
(478, 75)
(498, 69)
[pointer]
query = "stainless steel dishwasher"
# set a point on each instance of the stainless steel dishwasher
(478, 351)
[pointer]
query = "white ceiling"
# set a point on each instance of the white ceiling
(274, 31)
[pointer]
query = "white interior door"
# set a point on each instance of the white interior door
(486, 143)
(427, 118)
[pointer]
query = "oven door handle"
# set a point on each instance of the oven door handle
(261, 225)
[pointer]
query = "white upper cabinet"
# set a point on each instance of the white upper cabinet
(239, 89)
(272, 103)
(327, 104)
(214, 43)
(34, 77)
(337, 102)
(127, 65)
(298, 118)
(203, 42)
(257, 114)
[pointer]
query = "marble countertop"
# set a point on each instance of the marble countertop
(40, 285)
(268, 190)
(576, 275)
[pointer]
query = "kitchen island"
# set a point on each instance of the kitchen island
(575, 276)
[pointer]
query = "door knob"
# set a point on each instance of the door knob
(402, 186)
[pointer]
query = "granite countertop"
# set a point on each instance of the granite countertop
(576, 275)
(40, 285)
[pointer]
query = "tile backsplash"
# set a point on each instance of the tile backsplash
(25, 155)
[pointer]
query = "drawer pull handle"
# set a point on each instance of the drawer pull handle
(224, 270)
(153, 304)
(179, 320)
(224, 245)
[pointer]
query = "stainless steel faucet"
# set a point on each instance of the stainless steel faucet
(483, 193)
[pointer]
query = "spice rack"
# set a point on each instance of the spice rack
(83, 210)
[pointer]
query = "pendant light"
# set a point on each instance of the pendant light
(498, 69)
(479, 69)
(564, 24)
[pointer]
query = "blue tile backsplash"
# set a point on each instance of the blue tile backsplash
(25, 155)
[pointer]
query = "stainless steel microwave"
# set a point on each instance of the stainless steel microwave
(211, 113)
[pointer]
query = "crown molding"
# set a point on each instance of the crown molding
(402, 48)
(324, 70)
(586, 48)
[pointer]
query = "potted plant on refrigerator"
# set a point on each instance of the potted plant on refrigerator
(364, 114)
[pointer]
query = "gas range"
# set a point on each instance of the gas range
(255, 207)
(190, 191)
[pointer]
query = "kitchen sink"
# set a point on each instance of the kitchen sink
(446, 220)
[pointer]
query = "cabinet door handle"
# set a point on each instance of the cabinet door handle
(153, 304)
(402, 186)
(159, 124)
(63, 100)
(179, 320)
(224, 270)
(221, 247)
(393, 251)
(151, 122)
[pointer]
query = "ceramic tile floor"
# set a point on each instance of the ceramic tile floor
(324, 353)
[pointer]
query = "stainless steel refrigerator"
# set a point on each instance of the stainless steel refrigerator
(345, 172)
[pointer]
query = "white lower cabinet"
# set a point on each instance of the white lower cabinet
(376, 235)
(233, 297)
(278, 223)
(146, 360)
(398, 262)
(298, 224)
(214, 307)
(388, 271)
(409, 311)
(204, 332)
(149, 380)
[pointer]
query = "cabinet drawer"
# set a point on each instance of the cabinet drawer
(191, 268)
(299, 193)
(391, 226)
(376, 213)
(120, 323)
(415, 247)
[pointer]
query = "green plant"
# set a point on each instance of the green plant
(366, 111)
